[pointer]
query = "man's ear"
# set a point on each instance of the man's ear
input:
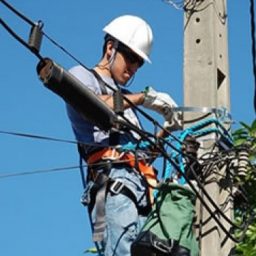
(109, 49)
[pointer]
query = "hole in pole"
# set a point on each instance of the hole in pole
(198, 40)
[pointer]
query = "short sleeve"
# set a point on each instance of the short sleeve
(86, 77)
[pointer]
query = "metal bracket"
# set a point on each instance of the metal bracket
(221, 113)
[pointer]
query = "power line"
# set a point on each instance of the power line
(15, 174)
(73, 142)
(39, 137)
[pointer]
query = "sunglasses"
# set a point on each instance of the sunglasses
(129, 55)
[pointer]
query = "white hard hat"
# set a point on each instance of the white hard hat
(134, 32)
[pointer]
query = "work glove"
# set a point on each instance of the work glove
(163, 104)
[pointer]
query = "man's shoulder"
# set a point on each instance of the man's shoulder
(86, 76)
(80, 71)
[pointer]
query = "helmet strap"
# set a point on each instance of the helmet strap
(113, 54)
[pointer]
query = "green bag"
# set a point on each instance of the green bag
(169, 227)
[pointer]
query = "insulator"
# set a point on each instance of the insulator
(75, 93)
(243, 161)
(35, 37)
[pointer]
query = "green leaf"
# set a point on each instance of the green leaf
(254, 125)
(246, 126)
(91, 250)
(247, 134)
(240, 141)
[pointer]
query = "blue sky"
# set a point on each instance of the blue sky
(41, 214)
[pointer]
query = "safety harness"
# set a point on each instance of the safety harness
(99, 184)
(127, 159)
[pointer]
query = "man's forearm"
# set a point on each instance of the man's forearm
(136, 99)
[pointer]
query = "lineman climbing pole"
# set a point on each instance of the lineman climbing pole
(206, 84)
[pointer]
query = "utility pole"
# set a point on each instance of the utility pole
(206, 84)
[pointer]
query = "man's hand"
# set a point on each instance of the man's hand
(163, 104)
(158, 101)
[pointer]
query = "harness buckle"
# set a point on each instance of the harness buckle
(86, 197)
(116, 187)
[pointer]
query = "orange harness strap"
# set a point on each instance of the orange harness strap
(106, 153)
(146, 170)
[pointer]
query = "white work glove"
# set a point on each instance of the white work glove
(163, 104)
(158, 101)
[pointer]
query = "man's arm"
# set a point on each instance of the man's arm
(136, 99)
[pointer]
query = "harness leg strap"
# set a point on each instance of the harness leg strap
(114, 187)
(100, 223)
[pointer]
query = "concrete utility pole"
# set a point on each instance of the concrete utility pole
(206, 84)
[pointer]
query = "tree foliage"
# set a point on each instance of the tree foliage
(246, 137)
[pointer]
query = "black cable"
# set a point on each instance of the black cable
(64, 50)
(30, 22)
(253, 48)
(19, 14)
(199, 196)
(147, 116)
(142, 112)
(40, 137)
(58, 45)
(81, 167)
(205, 193)
(3, 176)
(228, 165)
(138, 109)
(19, 39)
(32, 136)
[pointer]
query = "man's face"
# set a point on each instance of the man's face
(130, 55)
(125, 65)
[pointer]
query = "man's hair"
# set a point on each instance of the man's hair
(107, 38)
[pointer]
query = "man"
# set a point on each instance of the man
(117, 194)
